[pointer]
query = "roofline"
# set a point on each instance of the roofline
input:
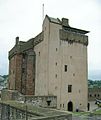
(52, 21)
(80, 30)
(68, 27)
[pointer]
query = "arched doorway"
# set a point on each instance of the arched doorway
(70, 106)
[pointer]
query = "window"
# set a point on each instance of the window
(23, 70)
(65, 68)
(56, 49)
(63, 105)
(56, 63)
(69, 88)
(90, 95)
(13, 71)
(48, 102)
(98, 95)
(56, 75)
(73, 74)
(24, 55)
(39, 53)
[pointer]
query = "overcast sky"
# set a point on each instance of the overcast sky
(23, 18)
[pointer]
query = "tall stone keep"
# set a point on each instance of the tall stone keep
(54, 63)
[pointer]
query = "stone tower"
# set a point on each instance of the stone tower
(55, 63)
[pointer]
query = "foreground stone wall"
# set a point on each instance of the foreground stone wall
(9, 112)
(11, 95)
(42, 101)
(59, 117)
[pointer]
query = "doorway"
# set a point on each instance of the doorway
(70, 106)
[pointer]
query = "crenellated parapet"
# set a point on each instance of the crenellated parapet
(73, 37)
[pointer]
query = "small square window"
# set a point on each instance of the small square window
(48, 102)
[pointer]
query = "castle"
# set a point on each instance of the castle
(54, 63)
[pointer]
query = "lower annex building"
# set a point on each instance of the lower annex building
(53, 63)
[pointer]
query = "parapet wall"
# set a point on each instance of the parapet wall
(73, 37)
(41, 101)
(10, 112)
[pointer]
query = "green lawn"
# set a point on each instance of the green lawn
(81, 113)
(98, 112)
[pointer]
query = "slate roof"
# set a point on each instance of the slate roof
(54, 20)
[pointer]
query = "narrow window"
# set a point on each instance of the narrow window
(39, 53)
(73, 74)
(65, 68)
(23, 70)
(24, 56)
(56, 63)
(56, 49)
(69, 88)
(13, 71)
(56, 75)
(63, 105)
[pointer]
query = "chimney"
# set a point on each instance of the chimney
(17, 40)
(65, 22)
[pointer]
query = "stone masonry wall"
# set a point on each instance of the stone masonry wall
(94, 93)
(42, 101)
(9, 112)
(30, 80)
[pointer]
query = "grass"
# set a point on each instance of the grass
(81, 113)
(85, 114)
(99, 105)
(98, 112)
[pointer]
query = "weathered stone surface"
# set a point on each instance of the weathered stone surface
(42, 101)
(94, 93)
(44, 74)
(9, 111)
